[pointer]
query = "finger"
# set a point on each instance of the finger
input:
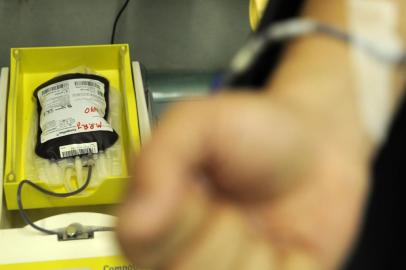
(165, 173)
(218, 245)
(258, 147)
(157, 253)
(257, 254)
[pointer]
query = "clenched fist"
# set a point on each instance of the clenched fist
(246, 181)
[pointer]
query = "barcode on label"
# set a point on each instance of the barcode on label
(72, 150)
(53, 88)
(87, 83)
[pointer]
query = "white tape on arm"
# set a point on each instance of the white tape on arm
(376, 21)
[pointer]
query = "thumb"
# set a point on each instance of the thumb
(165, 193)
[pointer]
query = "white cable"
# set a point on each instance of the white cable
(387, 52)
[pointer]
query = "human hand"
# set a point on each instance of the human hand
(246, 181)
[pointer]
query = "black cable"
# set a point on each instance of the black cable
(113, 32)
(24, 215)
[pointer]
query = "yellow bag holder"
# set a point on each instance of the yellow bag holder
(32, 66)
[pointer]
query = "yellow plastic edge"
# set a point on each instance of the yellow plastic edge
(98, 263)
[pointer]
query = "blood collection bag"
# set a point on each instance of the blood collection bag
(72, 142)
(73, 111)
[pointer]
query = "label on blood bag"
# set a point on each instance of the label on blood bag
(72, 106)
(78, 149)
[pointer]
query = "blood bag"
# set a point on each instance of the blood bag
(77, 123)
(73, 111)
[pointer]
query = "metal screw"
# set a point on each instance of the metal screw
(72, 230)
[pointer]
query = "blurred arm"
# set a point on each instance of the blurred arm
(325, 74)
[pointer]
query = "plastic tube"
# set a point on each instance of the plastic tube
(55, 174)
(67, 180)
(78, 170)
